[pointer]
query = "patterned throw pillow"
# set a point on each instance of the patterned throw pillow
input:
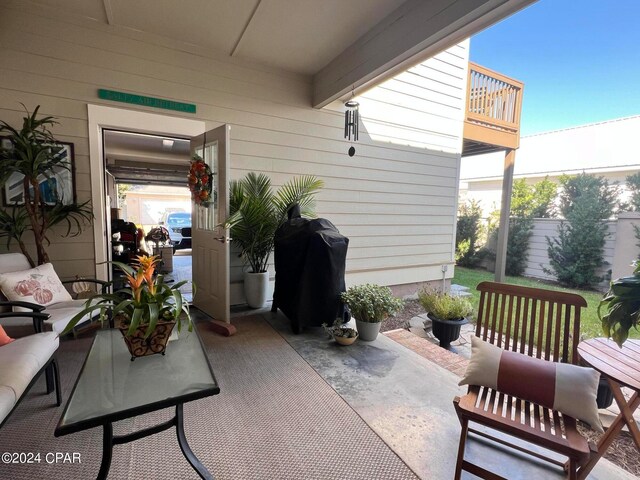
(39, 285)
(563, 387)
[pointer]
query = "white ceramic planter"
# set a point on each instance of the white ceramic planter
(367, 331)
(256, 286)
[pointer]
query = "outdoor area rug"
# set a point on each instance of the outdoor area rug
(275, 418)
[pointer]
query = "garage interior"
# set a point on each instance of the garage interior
(145, 177)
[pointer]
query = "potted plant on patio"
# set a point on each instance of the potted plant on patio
(619, 310)
(341, 334)
(447, 313)
(256, 212)
(370, 304)
(145, 312)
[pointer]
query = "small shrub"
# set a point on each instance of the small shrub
(527, 202)
(443, 305)
(462, 250)
(468, 231)
(520, 231)
(633, 184)
(371, 303)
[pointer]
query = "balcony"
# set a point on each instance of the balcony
(492, 115)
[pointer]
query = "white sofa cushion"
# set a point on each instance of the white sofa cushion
(39, 347)
(60, 315)
(20, 361)
(39, 285)
(7, 401)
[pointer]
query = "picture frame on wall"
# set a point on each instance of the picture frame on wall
(59, 186)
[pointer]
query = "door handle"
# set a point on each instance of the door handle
(223, 239)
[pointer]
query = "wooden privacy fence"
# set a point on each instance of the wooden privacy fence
(619, 251)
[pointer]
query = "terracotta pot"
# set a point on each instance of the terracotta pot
(155, 343)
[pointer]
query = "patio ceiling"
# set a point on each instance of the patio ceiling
(340, 44)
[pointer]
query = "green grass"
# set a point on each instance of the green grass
(589, 322)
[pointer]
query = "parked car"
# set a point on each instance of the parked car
(175, 222)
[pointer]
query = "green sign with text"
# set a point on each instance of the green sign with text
(146, 101)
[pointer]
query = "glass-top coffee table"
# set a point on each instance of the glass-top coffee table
(111, 387)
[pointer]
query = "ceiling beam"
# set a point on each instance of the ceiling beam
(244, 30)
(414, 32)
(108, 10)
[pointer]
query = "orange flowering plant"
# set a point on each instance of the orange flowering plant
(145, 300)
(200, 181)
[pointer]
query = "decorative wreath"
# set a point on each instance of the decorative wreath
(201, 182)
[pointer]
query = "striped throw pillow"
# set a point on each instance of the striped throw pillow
(563, 387)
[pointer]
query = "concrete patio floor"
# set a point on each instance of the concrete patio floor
(407, 401)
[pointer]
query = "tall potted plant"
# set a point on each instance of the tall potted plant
(33, 152)
(256, 212)
(370, 304)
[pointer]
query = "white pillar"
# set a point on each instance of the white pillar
(505, 210)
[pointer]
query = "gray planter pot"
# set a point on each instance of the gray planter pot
(255, 288)
(368, 331)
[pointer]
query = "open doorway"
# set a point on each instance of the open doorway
(150, 202)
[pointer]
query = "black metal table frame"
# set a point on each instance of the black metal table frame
(106, 421)
(109, 440)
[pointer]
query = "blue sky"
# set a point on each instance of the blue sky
(579, 60)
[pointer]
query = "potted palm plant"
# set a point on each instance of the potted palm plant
(32, 154)
(145, 312)
(256, 212)
(447, 313)
(370, 304)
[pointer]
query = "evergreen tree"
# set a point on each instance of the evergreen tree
(633, 183)
(527, 202)
(586, 202)
(467, 233)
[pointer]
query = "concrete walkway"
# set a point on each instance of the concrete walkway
(407, 400)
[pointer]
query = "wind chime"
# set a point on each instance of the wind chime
(351, 122)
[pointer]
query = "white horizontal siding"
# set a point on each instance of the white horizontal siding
(395, 199)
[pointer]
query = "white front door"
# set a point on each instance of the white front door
(209, 241)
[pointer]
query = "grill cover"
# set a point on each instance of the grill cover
(309, 257)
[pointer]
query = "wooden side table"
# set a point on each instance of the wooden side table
(621, 366)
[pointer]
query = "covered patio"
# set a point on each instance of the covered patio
(291, 406)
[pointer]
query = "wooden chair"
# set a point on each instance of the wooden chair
(542, 324)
